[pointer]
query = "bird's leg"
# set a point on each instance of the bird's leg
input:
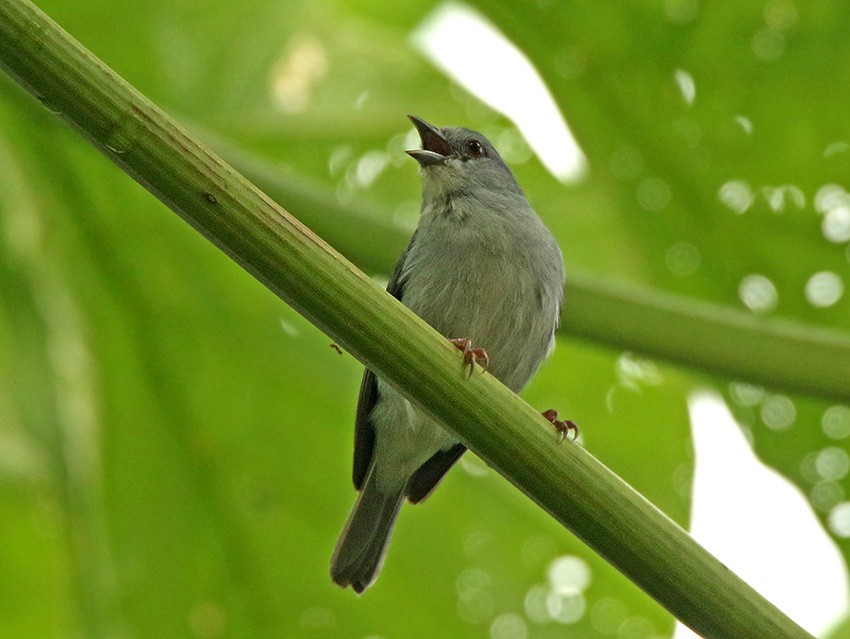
(563, 426)
(471, 355)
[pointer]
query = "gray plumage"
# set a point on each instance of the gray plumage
(481, 265)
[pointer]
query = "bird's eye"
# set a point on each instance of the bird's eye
(475, 149)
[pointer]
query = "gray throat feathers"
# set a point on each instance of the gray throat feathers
(447, 208)
(457, 205)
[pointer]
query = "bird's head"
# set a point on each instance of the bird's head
(455, 159)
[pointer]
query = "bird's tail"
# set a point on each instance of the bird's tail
(361, 547)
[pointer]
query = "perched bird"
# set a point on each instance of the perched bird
(483, 270)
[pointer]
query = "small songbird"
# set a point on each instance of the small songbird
(485, 272)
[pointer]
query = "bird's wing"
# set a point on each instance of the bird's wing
(395, 286)
(429, 474)
(364, 430)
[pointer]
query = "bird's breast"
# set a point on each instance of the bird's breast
(488, 288)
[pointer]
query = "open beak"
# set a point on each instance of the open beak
(435, 148)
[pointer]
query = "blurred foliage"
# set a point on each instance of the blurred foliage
(175, 442)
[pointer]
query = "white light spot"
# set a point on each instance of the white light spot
(780, 14)
(410, 140)
(512, 147)
(566, 609)
(825, 495)
(824, 289)
(474, 466)
(536, 550)
(839, 520)
(758, 293)
(406, 215)
(768, 44)
(369, 167)
(296, 72)
(508, 625)
(569, 575)
(570, 62)
(636, 628)
(835, 422)
(681, 11)
(653, 194)
(339, 157)
(683, 259)
(746, 394)
(797, 196)
(472, 579)
(634, 372)
(745, 123)
(778, 196)
(808, 468)
(835, 148)
(607, 615)
(832, 463)
(737, 195)
(686, 85)
(830, 196)
(396, 144)
(474, 602)
(626, 163)
(467, 47)
(609, 399)
(289, 328)
(535, 604)
(775, 198)
(836, 224)
(477, 543)
(778, 412)
(361, 100)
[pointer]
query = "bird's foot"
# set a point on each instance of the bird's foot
(563, 426)
(471, 356)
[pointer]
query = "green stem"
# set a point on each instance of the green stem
(299, 267)
(780, 354)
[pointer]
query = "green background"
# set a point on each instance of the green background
(175, 442)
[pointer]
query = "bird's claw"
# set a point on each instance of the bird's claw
(471, 356)
(562, 426)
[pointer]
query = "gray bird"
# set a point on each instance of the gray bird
(482, 269)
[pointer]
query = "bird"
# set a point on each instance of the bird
(484, 271)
